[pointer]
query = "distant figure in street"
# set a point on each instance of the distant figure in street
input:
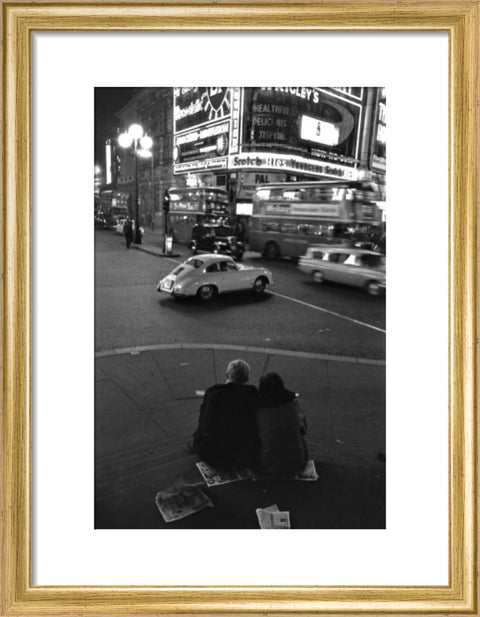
(281, 428)
(128, 232)
(226, 436)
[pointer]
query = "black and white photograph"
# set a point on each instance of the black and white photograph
(240, 307)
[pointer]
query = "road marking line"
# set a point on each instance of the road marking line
(318, 308)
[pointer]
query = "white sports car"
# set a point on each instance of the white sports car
(207, 275)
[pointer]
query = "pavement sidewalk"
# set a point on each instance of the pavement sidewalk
(147, 403)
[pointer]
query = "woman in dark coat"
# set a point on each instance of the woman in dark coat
(281, 428)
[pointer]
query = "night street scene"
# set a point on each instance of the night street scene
(240, 322)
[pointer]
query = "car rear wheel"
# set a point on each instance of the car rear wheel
(259, 285)
(206, 293)
(317, 276)
(373, 288)
(271, 251)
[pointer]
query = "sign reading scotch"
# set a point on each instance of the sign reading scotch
(282, 162)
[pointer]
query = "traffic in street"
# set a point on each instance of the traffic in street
(295, 313)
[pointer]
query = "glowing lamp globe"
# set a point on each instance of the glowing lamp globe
(146, 142)
(135, 131)
(124, 140)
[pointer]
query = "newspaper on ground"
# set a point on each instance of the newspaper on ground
(215, 477)
(308, 474)
(273, 518)
(180, 501)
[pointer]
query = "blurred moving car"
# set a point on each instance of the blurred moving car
(216, 239)
(207, 275)
(370, 246)
(350, 266)
(119, 227)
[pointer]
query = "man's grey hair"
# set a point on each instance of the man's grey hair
(238, 371)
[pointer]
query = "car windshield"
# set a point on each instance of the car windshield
(223, 231)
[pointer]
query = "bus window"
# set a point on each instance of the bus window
(263, 194)
(288, 228)
(292, 195)
(270, 226)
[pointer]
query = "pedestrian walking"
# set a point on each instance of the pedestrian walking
(128, 232)
(281, 428)
(226, 436)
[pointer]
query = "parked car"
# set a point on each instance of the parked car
(101, 221)
(350, 266)
(216, 239)
(210, 274)
(119, 227)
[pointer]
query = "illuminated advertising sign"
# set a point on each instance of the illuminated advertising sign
(196, 106)
(108, 162)
(321, 132)
(202, 128)
(314, 123)
(289, 163)
(201, 165)
(207, 142)
(379, 140)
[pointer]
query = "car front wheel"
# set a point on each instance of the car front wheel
(259, 285)
(206, 293)
(318, 276)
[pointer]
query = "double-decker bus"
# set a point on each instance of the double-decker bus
(112, 206)
(192, 206)
(289, 216)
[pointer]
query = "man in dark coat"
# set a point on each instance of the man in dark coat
(226, 436)
(128, 231)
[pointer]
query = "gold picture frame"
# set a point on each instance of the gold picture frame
(19, 20)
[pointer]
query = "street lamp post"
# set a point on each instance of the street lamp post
(141, 144)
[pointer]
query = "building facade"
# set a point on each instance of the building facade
(239, 138)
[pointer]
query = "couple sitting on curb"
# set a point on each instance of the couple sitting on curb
(240, 426)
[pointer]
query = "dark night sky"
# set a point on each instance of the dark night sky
(107, 102)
